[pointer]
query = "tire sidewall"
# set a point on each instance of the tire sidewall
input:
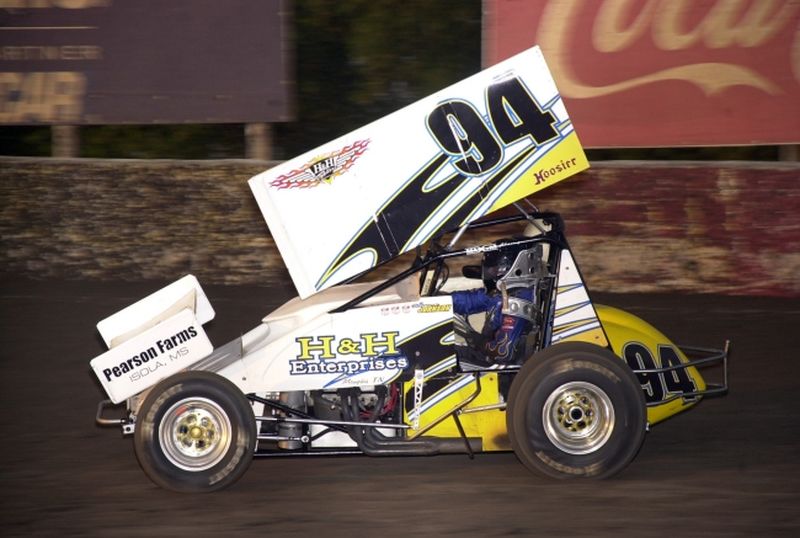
(147, 443)
(565, 363)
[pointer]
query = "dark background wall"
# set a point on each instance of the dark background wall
(730, 227)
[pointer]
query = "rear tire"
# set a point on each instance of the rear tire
(195, 432)
(576, 410)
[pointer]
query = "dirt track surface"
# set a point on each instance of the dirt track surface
(730, 467)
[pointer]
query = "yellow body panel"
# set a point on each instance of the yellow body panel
(489, 425)
(561, 162)
(623, 328)
(593, 336)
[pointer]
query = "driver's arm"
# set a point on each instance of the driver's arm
(471, 302)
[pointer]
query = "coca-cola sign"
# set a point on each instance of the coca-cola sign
(663, 72)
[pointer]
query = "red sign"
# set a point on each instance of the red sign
(663, 72)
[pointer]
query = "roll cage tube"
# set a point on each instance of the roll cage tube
(555, 237)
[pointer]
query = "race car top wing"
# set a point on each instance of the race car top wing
(430, 167)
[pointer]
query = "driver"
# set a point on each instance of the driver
(509, 274)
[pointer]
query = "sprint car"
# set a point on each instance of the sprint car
(391, 368)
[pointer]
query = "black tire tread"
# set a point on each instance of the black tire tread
(537, 370)
(182, 385)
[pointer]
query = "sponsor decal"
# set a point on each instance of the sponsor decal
(546, 173)
(326, 355)
(470, 251)
(323, 168)
(423, 308)
(151, 358)
(418, 308)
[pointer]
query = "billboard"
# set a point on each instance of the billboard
(647, 73)
(143, 61)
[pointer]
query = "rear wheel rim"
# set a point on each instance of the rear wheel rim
(578, 418)
(195, 434)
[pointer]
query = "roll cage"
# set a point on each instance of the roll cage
(437, 255)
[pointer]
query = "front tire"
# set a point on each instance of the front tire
(195, 432)
(576, 410)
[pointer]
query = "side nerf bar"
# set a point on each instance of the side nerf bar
(699, 357)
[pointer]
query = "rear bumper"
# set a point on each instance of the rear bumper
(699, 357)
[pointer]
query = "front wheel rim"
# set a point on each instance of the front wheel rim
(195, 434)
(578, 418)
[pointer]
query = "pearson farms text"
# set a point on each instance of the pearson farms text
(149, 356)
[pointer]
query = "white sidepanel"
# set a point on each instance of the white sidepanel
(154, 354)
(144, 314)
(360, 347)
(574, 313)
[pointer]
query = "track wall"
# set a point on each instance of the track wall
(728, 228)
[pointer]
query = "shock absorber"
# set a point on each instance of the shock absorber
(295, 400)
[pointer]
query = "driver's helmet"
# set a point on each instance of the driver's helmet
(496, 263)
